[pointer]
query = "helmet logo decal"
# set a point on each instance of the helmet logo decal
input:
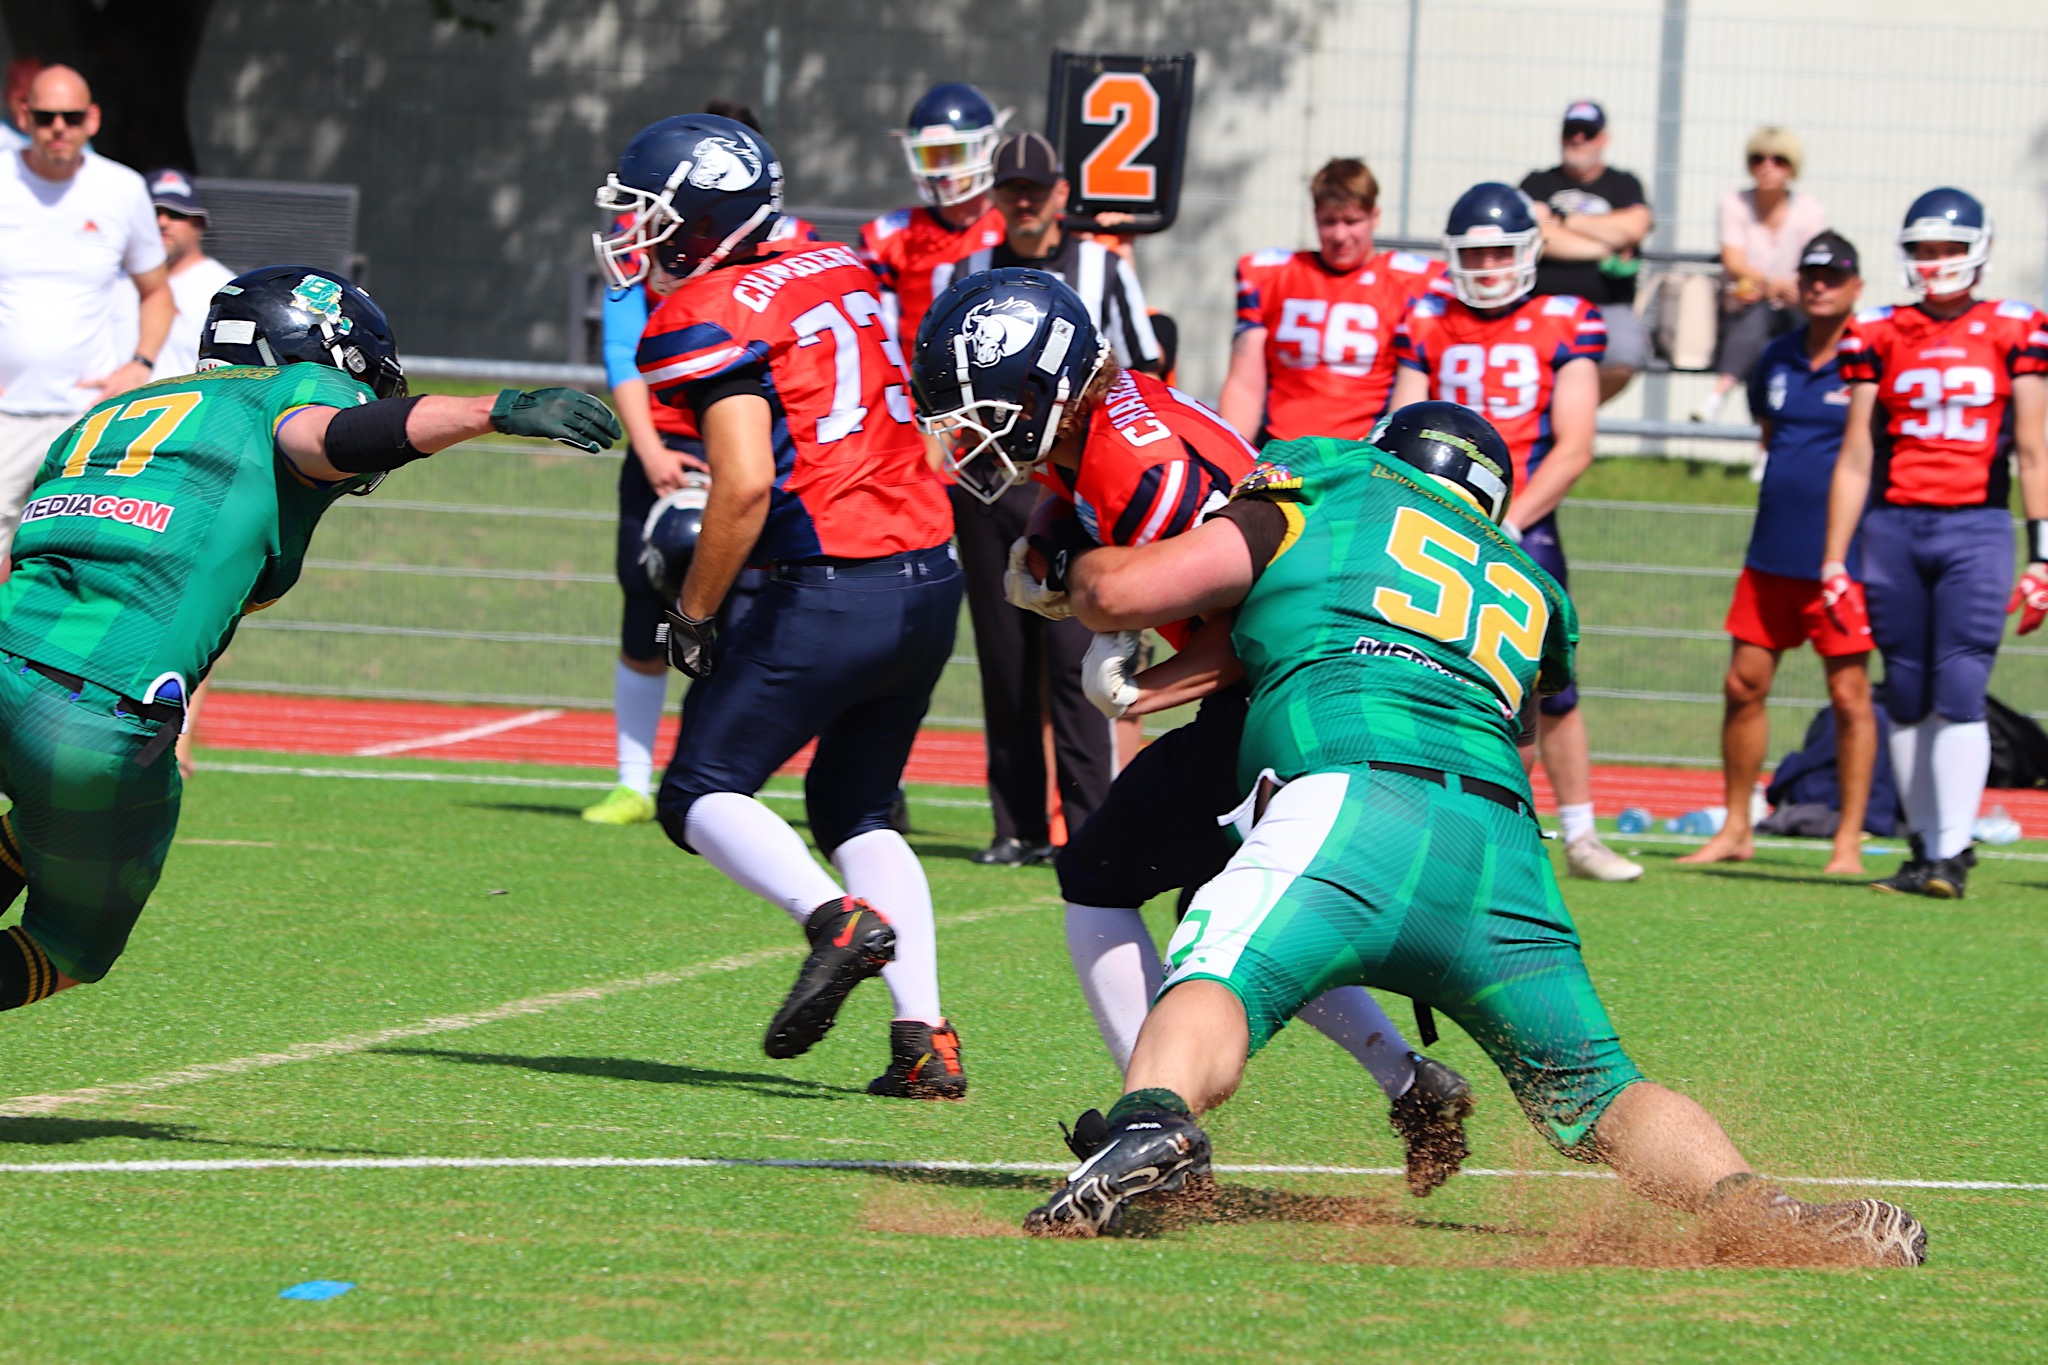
(321, 297)
(723, 163)
(999, 328)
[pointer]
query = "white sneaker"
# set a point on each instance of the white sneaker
(1587, 857)
(1709, 407)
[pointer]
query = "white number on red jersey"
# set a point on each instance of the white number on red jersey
(1461, 378)
(848, 413)
(1345, 338)
(1946, 396)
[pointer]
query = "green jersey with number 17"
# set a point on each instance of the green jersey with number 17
(162, 517)
(1395, 624)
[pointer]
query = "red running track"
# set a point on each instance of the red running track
(583, 739)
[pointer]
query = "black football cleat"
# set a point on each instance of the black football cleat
(1429, 1118)
(924, 1063)
(1089, 1135)
(1946, 878)
(1152, 1152)
(850, 942)
(1911, 878)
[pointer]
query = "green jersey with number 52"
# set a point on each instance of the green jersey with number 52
(1395, 624)
(162, 517)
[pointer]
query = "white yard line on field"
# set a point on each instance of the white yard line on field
(587, 1163)
(26, 1106)
(462, 736)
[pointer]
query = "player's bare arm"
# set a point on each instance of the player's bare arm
(1410, 386)
(739, 443)
(664, 467)
(1851, 487)
(1207, 664)
(1208, 569)
(1573, 409)
(1242, 401)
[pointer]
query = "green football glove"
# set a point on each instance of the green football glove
(567, 415)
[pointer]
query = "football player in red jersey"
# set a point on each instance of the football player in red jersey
(818, 472)
(1950, 385)
(1314, 352)
(1531, 365)
(950, 142)
(665, 454)
(1014, 382)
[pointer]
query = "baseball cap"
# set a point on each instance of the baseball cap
(172, 190)
(1584, 116)
(1027, 156)
(1830, 251)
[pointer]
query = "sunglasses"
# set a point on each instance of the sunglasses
(70, 118)
(1772, 157)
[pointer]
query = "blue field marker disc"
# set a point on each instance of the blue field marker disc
(316, 1290)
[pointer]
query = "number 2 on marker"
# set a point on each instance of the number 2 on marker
(1127, 101)
(167, 411)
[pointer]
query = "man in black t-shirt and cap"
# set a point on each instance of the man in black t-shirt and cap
(1594, 218)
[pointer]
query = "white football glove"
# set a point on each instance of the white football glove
(1106, 671)
(1023, 588)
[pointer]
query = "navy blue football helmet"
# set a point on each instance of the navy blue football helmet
(1492, 215)
(279, 314)
(697, 189)
(998, 358)
(1945, 215)
(669, 537)
(950, 140)
(1456, 446)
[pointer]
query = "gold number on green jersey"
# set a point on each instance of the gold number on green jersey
(1450, 619)
(167, 412)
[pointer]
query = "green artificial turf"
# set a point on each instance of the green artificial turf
(1836, 1032)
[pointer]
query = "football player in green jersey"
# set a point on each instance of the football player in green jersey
(1395, 640)
(155, 523)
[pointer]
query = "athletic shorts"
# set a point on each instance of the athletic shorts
(1937, 579)
(1359, 877)
(1772, 611)
(1541, 543)
(93, 827)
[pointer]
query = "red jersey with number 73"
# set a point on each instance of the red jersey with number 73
(803, 328)
(1329, 336)
(1503, 365)
(1944, 397)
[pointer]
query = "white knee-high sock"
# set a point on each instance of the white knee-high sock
(637, 702)
(1349, 1017)
(1119, 971)
(756, 848)
(880, 869)
(1961, 762)
(1913, 770)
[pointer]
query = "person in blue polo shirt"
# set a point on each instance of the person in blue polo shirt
(1799, 397)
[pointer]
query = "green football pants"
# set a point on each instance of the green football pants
(1363, 877)
(93, 827)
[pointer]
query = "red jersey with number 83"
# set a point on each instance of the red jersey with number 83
(1502, 365)
(1329, 336)
(803, 328)
(1944, 397)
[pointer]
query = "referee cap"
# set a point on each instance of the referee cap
(1027, 156)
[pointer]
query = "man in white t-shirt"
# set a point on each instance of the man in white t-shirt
(74, 228)
(195, 276)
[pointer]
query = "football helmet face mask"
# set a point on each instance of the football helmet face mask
(1455, 446)
(281, 314)
(1492, 215)
(668, 540)
(695, 189)
(998, 359)
(949, 142)
(1945, 215)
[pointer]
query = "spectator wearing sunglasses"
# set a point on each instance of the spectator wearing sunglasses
(1763, 229)
(76, 231)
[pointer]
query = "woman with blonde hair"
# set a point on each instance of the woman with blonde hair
(1762, 230)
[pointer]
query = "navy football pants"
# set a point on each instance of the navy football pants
(846, 654)
(1937, 580)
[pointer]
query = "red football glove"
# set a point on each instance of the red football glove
(1842, 598)
(2030, 592)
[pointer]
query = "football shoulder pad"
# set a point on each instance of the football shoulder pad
(889, 224)
(2014, 308)
(1562, 305)
(1878, 314)
(1408, 262)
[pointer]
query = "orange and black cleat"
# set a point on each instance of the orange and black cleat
(924, 1063)
(850, 942)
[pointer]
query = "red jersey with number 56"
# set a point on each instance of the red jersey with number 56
(1329, 336)
(1503, 365)
(802, 327)
(1944, 397)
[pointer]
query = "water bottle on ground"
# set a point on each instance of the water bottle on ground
(1634, 820)
(1996, 828)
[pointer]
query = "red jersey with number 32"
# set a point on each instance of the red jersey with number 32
(804, 328)
(1329, 336)
(1944, 397)
(905, 247)
(1502, 364)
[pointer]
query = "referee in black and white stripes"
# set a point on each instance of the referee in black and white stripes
(1019, 652)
